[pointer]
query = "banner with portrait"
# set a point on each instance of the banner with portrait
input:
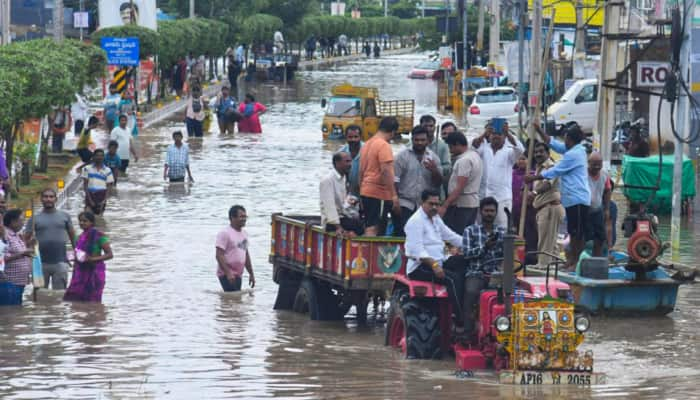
(122, 12)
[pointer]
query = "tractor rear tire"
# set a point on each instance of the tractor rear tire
(286, 291)
(418, 326)
(306, 300)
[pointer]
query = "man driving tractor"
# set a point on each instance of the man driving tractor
(464, 277)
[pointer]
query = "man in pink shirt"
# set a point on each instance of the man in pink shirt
(232, 252)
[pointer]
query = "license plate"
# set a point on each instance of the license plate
(551, 378)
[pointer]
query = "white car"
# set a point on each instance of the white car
(579, 104)
(494, 102)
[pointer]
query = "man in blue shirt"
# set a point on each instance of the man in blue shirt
(572, 172)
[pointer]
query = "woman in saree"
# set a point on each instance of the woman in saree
(92, 249)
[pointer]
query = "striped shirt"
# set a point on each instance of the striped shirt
(98, 178)
(177, 159)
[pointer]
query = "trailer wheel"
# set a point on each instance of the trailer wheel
(414, 328)
(331, 306)
(286, 291)
(306, 300)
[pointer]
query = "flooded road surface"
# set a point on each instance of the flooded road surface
(166, 331)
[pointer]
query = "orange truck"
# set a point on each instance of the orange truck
(361, 106)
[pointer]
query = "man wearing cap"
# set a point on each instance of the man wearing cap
(498, 159)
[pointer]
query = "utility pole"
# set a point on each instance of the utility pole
(579, 40)
(465, 51)
(608, 64)
(386, 8)
(82, 8)
(480, 28)
(495, 31)
(191, 8)
(447, 21)
(534, 94)
(422, 10)
(58, 20)
(521, 61)
(682, 124)
(5, 6)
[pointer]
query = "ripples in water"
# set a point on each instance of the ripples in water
(166, 331)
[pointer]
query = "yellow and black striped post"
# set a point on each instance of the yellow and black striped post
(121, 79)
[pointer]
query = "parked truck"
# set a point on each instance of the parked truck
(361, 106)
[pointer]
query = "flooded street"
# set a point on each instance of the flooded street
(167, 331)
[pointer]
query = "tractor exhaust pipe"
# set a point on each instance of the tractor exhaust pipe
(508, 257)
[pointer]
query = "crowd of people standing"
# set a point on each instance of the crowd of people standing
(442, 188)
(374, 191)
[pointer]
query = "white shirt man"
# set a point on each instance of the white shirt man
(498, 158)
(426, 237)
(335, 215)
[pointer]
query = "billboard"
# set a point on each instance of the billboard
(120, 12)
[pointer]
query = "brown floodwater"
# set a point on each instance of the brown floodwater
(166, 330)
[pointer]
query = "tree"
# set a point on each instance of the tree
(404, 9)
(40, 74)
(291, 12)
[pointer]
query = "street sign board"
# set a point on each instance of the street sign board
(80, 19)
(121, 51)
(652, 73)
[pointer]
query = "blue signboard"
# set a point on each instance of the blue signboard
(121, 51)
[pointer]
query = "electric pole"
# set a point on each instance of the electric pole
(82, 8)
(682, 124)
(608, 65)
(523, 20)
(495, 31)
(579, 40)
(58, 20)
(386, 8)
(480, 29)
(5, 6)
(534, 94)
(465, 50)
(191, 8)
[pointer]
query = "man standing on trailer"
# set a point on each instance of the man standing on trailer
(498, 159)
(339, 212)
(546, 199)
(575, 193)
(416, 169)
(377, 177)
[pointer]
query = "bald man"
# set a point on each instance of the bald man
(599, 212)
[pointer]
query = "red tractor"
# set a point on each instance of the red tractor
(525, 325)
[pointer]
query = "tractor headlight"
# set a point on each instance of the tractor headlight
(502, 324)
(582, 323)
(324, 129)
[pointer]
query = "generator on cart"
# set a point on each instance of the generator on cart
(643, 245)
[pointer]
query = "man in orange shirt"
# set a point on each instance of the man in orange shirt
(377, 189)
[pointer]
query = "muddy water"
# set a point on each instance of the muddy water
(166, 331)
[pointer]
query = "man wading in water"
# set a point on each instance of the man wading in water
(232, 252)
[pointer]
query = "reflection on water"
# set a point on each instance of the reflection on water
(167, 331)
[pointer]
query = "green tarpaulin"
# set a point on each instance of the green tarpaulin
(644, 172)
